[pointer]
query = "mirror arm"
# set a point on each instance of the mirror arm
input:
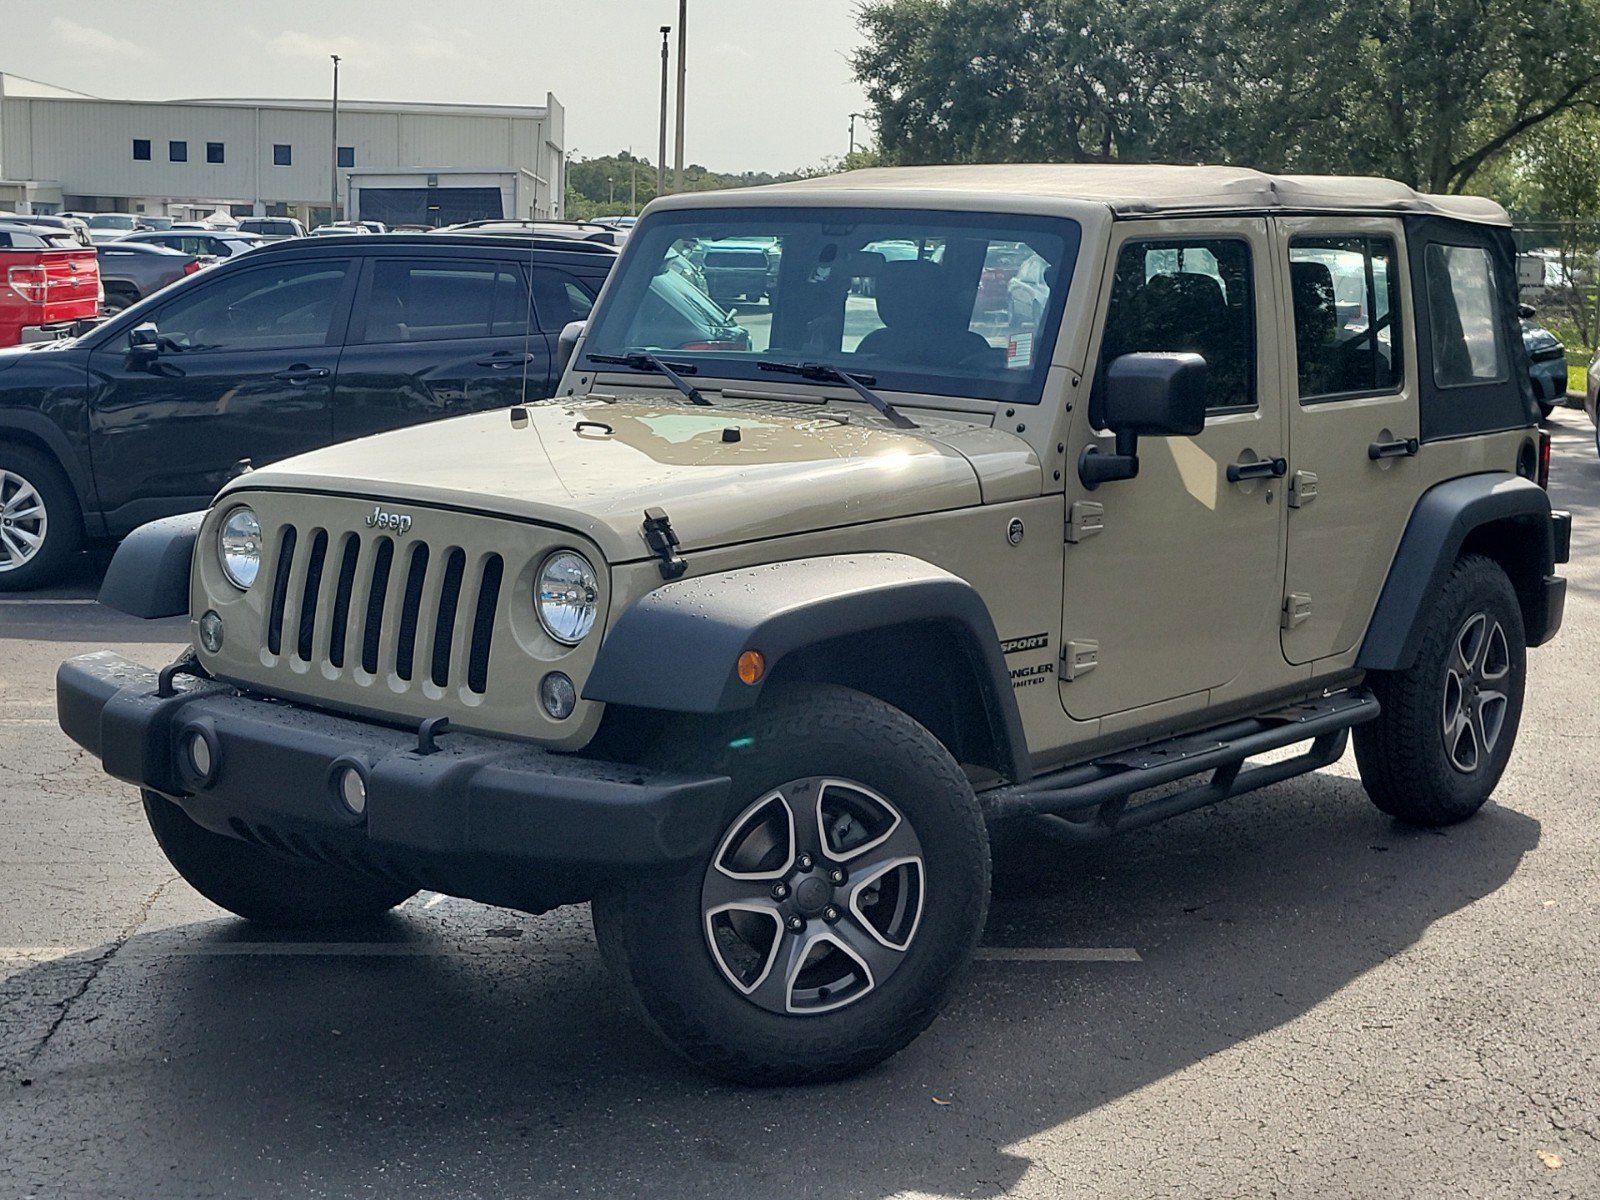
(1095, 467)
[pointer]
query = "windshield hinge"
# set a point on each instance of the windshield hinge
(663, 542)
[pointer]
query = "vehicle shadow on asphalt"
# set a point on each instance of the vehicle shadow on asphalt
(482, 1073)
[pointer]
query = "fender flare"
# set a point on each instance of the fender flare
(677, 649)
(149, 574)
(41, 428)
(1442, 521)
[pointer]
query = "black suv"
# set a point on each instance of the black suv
(297, 345)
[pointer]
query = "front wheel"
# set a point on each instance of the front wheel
(1448, 722)
(828, 925)
(263, 887)
(40, 525)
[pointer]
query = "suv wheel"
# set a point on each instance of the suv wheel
(829, 923)
(263, 887)
(40, 527)
(1449, 721)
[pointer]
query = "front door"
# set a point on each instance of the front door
(245, 370)
(1353, 424)
(1173, 578)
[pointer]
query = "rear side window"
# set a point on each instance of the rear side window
(1193, 296)
(1345, 293)
(430, 301)
(559, 299)
(1462, 313)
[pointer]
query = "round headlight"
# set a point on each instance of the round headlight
(568, 597)
(239, 546)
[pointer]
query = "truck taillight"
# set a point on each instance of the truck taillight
(30, 283)
(1544, 460)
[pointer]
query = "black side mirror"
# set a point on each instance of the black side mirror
(1146, 395)
(567, 345)
(144, 344)
(1526, 310)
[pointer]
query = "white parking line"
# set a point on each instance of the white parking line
(46, 602)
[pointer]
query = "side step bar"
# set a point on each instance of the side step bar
(1091, 800)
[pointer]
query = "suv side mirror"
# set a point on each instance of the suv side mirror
(1146, 395)
(567, 345)
(144, 344)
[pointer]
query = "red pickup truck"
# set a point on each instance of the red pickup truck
(48, 283)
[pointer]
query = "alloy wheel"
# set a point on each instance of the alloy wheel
(24, 523)
(1476, 696)
(814, 896)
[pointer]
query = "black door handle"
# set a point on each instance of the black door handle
(1399, 448)
(1262, 468)
(500, 361)
(300, 373)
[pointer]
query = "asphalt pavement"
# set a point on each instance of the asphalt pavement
(1289, 995)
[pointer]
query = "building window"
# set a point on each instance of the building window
(213, 152)
(141, 149)
(280, 156)
(178, 151)
(347, 156)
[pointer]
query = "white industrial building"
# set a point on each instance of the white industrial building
(440, 163)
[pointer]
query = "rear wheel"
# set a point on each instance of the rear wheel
(40, 525)
(259, 886)
(1449, 721)
(827, 927)
(116, 301)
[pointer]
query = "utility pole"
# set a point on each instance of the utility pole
(683, 47)
(853, 117)
(611, 197)
(333, 191)
(661, 154)
(633, 188)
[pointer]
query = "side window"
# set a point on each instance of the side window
(1193, 296)
(559, 298)
(287, 306)
(429, 301)
(1345, 292)
(1463, 308)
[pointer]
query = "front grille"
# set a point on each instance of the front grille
(398, 603)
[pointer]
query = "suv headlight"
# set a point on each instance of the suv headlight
(568, 596)
(239, 547)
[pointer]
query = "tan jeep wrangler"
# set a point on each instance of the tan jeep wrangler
(1023, 492)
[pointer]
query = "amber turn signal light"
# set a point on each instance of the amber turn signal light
(752, 666)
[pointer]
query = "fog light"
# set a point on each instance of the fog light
(558, 695)
(202, 762)
(211, 632)
(352, 790)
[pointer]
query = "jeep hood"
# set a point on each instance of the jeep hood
(723, 474)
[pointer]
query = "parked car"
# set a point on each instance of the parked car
(272, 229)
(49, 286)
(1547, 362)
(202, 243)
(78, 229)
(130, 271)
(294, 346)
(108, 227)
(158, 223)
(739, 268)
(1591, 397)
(752, 649)
(336, 230)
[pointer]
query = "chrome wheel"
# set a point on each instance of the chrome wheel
(814, 896)
(24, 523)
(1476, 696)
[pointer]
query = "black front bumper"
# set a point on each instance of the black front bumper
(481, 817)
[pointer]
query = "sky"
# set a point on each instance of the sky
(769, 86)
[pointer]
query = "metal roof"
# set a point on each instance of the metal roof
(1140, 190)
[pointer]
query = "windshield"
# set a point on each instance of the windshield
(110, 221)
(946, 303)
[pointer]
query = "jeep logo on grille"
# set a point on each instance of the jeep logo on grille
(399, 522)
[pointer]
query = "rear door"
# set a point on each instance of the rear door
(436, 337)
(246, 371)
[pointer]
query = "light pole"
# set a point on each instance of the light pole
(661, 155)
(683, 46)
(853, 117)
(333, 191)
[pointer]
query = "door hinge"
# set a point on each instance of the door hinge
(1079, 658)
(663, 542)
(1302, 489)
(1084, 519)
(1296, 609)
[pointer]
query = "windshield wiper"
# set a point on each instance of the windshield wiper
(639, 360)
(828, 373)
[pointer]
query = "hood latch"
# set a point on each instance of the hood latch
(663, 542)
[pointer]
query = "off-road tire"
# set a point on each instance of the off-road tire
(263, 887)
(651, 931)
(1404, 756)
(63, 528)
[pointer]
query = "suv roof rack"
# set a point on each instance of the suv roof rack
(455, 241)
